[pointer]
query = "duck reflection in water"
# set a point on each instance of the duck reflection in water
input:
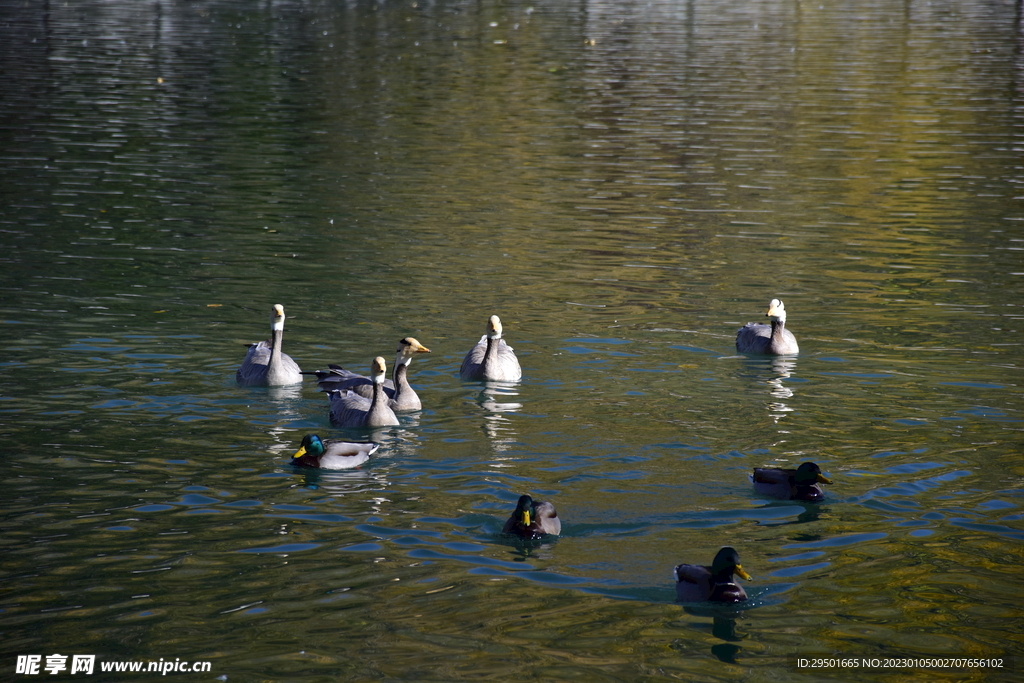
(715, 586)
(726, 652)
(723, 626)
(343, 482)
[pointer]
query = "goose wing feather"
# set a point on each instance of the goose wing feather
(254, 368)
(338, 378)
(471, 364)
(754, 338)
(349, 409)
(505, 369)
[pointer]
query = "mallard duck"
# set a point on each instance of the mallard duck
(265, 365)
(349, 409)
(532, 519)
(774, 339)
(697, 583)
(401, 396)
(332, 454)
(491, 360)
(799, 484)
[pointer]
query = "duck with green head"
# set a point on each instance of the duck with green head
(332, 454)
(700, 583)
(533, 519)
(791, 484)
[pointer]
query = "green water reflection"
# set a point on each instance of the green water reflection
(625, 184)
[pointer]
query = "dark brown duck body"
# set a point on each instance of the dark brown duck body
(533, 519)
(700, 583)
(791, 484)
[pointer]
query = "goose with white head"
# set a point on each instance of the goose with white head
(349, 409)
(266, 365)
(401, 395)
(491, 360)
(771, 340)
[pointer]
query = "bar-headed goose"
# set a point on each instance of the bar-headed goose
(265, 365)
(401, 396)
(491, 360)
(349, 409)
(774, 339)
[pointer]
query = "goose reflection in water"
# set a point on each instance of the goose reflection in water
(287, 395)
(284, 411)
(500, 432)
(395, 442)
(777, 369)
(780, 370)
(283, 441)
(499, 429)
(398, 437)
(783, 368)
(491, 404)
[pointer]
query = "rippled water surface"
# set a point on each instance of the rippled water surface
(625, 184)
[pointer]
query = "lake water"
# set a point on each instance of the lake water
(625, 184)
